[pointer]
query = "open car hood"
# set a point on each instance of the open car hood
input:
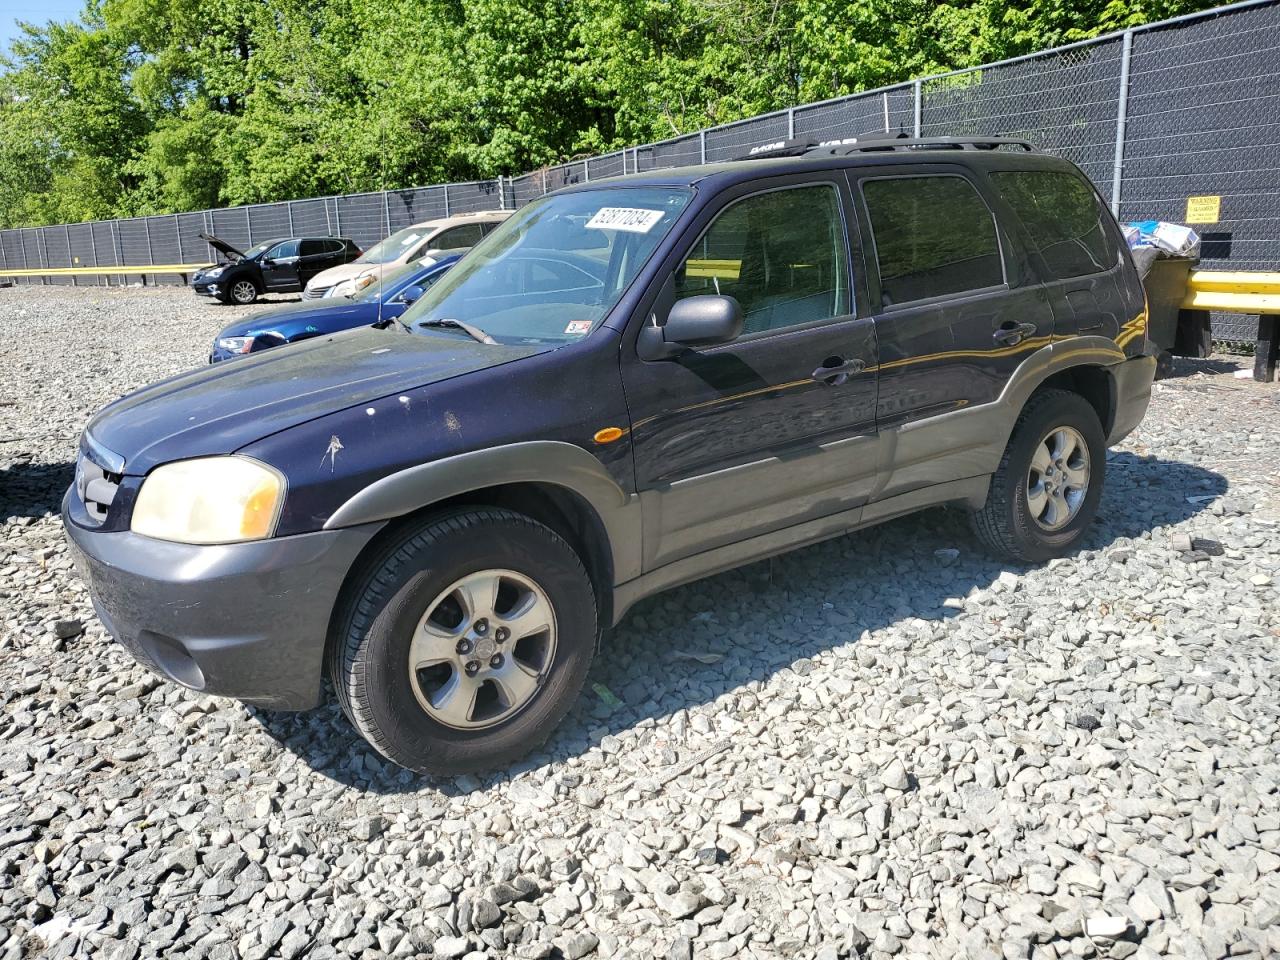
(222, 246)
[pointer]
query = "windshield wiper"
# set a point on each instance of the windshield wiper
(475, 333)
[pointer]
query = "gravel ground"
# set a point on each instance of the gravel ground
(883, 745)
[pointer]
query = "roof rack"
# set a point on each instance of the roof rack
(888, 143)
(876, 143)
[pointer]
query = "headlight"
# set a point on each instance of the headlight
(236, 344)
(215, 272)
(210, 500)
(361, 282)
(341, 289)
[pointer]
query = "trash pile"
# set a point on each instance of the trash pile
(1151, 240)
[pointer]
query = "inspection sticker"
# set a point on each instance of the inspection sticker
(578, 327)
(628, 219)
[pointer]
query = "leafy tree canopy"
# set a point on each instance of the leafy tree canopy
(159, 106)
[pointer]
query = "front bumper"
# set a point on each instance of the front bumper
(205, 289)
(242, 620)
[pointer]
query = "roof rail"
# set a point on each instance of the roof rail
(890, 143)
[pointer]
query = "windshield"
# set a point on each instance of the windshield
(390, 277)
(395, 246)
(552, 272)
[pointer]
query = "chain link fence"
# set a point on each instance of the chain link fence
(1186, 107)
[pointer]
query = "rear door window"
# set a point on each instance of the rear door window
(465, 236)
(311, 248)
(934, 237)
(1064, 218)
(781, 254)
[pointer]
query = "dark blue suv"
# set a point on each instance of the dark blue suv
(630, 384)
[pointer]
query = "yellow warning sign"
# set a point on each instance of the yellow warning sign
(1203, 209)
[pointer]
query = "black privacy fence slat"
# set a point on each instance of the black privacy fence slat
(1187, 107)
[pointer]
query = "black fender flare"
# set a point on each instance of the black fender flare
(537, 461)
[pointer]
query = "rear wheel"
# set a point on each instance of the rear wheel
(465, 642)
(242, 292)
(1045, 492)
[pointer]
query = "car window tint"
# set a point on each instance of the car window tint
(287, 249)
(780, 254)
(1064, 218)
(312, 247)
(335, 246)
(467, 235)
(934, 236)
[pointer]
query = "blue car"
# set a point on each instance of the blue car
(399, 288)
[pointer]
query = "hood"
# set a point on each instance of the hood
(326, 316)
(222, 246)
(335, 275)
(222, 407)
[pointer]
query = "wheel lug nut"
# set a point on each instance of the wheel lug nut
(495, 661)
(481, 627)
(464, 646)
(472, 667)
(501, 634)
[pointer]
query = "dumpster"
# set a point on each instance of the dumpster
(1164, 254)
(1166, 285)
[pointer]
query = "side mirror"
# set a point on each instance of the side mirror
(268, 262)
(410, 294)
(693, 322)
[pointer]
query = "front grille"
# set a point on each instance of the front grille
(315, 293)
(96, 488)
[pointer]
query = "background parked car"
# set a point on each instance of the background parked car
(400, 286)
(283, 265)
(405, 246)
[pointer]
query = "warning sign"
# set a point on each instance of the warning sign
(1203, 209)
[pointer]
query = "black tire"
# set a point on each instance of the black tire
(242, 292)
(1005, 523)
(369, 651)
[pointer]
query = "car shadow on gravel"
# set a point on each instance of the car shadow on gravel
(689, 646)
(33, 489)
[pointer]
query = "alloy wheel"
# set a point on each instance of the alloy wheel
(1058, 479)
(483, 649)
(243, 291)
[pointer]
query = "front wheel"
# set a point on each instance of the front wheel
(465, 642)
(243, 292)
(1045, 492)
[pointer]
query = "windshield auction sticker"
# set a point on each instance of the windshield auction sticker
(628, 219)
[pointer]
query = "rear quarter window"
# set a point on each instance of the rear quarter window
(934, 237)
(1064, 219)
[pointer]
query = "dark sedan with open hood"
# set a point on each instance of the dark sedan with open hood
(283, 265)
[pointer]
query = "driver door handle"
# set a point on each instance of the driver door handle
(834, 376)
(1013, 334)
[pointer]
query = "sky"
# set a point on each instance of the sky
(33, 11)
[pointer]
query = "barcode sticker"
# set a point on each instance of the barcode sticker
(627, 219)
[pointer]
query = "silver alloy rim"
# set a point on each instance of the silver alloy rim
(242, 292)
(1058, 480)
(483, 649)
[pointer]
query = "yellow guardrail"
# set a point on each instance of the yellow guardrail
(719, 269)
(1233, 292)
(105, 271)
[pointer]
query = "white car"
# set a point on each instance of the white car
(411, 243)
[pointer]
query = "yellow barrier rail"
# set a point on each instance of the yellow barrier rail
(182, 268)
(1233, 292)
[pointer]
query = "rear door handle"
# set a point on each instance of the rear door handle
(836, 375)
(1013, 334)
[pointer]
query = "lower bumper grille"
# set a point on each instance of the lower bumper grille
(96, 488)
